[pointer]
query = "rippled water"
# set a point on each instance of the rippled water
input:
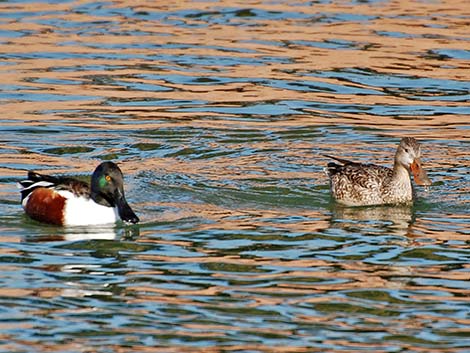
(218, 113)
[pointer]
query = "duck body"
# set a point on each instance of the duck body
(360, 184)
(357, 184)
(70, 202)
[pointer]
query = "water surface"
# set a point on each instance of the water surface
(219, 113)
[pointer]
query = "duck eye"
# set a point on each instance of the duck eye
(103, 181)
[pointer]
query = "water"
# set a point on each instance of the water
(219, 113)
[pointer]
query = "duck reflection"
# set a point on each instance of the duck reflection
(102, 232)
(395, 220)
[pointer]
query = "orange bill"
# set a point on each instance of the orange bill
(419, 174)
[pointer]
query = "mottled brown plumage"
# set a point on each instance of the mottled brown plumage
(358, 184)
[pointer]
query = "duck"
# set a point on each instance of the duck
(360, 184)
(66, 201)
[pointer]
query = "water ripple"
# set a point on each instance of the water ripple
(219, 115)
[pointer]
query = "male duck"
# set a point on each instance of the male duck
(357, 184)
(71, 202)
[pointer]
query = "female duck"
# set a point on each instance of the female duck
(357, 184)
(71, 202)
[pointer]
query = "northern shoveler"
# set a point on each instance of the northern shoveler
(70, 202)
(357, 184)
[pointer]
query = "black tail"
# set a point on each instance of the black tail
(36, 177)
(334, 168)
(35, 180)
(341, 160)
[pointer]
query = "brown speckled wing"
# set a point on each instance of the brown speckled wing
(366, 175)
(356, 183)
(77, 187)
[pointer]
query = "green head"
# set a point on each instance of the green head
(107, 189)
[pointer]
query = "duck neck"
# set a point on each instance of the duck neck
(401, 177)
(101, 199)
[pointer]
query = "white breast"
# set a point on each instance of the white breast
(80, 211)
